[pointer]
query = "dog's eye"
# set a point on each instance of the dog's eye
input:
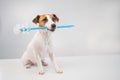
(45, 19)
(54, 19)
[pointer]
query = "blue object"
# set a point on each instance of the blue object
(24, 29)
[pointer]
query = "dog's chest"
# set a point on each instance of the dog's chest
(45, 40)
(41, 40)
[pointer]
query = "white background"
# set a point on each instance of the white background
(96, 32)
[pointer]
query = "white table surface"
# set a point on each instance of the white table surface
(75, 68)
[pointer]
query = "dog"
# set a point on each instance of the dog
(41, 44)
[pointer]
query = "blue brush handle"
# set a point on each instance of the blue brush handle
(24, 29)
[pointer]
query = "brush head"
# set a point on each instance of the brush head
(16, 29)
(21, 29)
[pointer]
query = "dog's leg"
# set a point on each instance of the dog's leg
(28, 64)
(44, 63)
(39, 62)
(58, 70)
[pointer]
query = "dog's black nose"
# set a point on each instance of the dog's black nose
(53, 26)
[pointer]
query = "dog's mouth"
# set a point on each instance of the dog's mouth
(52, 27)
(52, 30)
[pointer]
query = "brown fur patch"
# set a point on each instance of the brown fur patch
(42, 20)
(54, 17)
(36, 19)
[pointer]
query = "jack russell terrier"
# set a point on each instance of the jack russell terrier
(41, 44)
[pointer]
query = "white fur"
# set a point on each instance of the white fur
(49, 22)
(38, 48)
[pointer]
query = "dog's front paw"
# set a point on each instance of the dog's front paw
(27, 66)
(41, 72)
(44, 63)
(59, 71)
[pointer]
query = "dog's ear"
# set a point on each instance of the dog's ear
(56, 17)
(36, 19)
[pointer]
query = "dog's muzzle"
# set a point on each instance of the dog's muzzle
(53, 27)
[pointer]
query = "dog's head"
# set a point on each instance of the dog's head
(48, 20)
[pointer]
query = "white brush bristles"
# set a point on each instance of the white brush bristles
(16, 29)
